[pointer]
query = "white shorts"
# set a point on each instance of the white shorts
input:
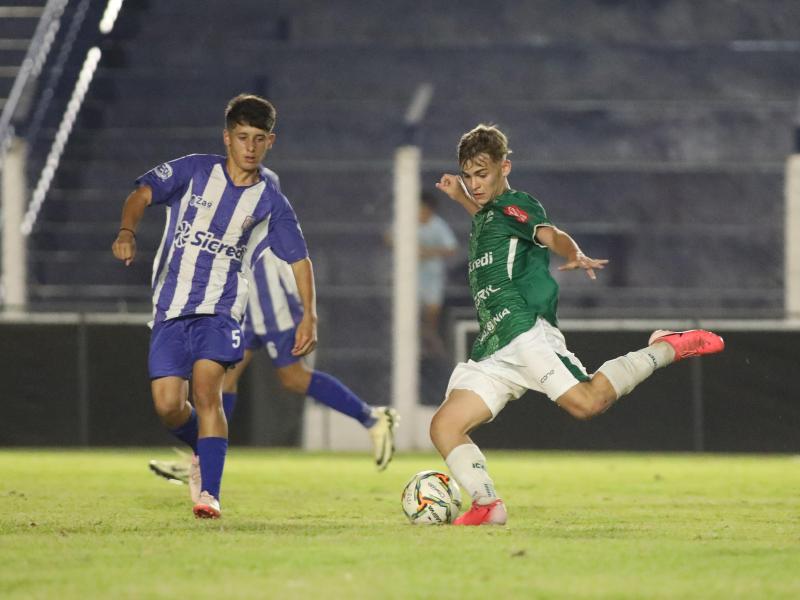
(536, 360)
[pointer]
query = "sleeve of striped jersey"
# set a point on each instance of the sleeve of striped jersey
(522, 217)
(285, 237)
(168, 180)
(281, 233)
(272, 176)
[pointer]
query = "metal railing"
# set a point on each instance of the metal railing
(35, 57)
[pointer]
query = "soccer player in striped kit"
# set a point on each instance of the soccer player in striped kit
(274, 310)
(222, 214)
(519, 346)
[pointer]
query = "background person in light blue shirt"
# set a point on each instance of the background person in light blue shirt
(436, 244)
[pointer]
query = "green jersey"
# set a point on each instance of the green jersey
(509, 272)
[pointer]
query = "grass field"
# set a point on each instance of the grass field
(97, 524)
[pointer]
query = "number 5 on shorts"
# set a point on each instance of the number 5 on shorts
(236, 338)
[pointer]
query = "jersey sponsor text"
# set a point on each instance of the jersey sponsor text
(516, 212)
(482, 294)
(200, 202)
(492, 323)
(483, 261)
(207, 241)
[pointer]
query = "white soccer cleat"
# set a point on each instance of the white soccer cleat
(382, 434)
(174, 471)
(195, 481)
(207, 507)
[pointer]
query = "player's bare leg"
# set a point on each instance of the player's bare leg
(230, 384)
(188, 470)
(212, 443)
(295, 378)
(620, 376)
(460, 414)
(588, 399)
(207, 378)
(171, 400)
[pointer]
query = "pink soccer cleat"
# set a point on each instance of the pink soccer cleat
(484, 514)
(695, 342)
(207, 507)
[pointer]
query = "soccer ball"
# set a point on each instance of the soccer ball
(431, 498)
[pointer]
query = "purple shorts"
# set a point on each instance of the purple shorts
(176, 344)
(279, 345)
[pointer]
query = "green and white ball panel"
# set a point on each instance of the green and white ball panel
(431, 498)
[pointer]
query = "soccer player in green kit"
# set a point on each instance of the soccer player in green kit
(519, 346)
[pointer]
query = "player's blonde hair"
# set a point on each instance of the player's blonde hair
(483, 139)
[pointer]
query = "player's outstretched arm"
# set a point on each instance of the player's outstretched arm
(305, 339)
(560, 242)
(124, 247)
(453, 186)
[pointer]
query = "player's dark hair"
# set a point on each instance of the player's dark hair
(486, 139)
(252, 110)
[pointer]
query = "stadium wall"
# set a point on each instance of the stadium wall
(85, 384)
(76, 383)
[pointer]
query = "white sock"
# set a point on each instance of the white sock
(626, 372)
(468, 466)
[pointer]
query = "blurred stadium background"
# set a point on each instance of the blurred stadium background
(660, 134)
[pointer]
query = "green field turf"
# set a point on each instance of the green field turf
(97, 524)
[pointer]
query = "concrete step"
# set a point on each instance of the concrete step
(732, 194)
(18, 28)
(635, 131)
(627, 72)
(404, 22)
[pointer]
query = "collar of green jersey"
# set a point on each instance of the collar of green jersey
(494, 200)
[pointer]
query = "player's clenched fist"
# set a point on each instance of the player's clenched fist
(451, 185)
(124, 247)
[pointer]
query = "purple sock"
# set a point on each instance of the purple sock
(212, 451)
(188, 431)
(228, 404)
(333, 393)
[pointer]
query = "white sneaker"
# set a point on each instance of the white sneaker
(382, 434)
(195, 481)
(171, 470)
(207, 507)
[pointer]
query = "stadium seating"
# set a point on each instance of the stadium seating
(17, 24)
(656, 135)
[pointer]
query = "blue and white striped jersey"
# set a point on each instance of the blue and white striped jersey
(213, 228)
(274, 304)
